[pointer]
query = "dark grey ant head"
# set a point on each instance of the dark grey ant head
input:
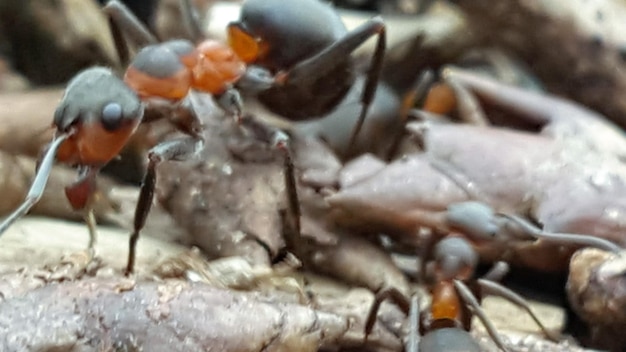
(97, 95)
(455, 259)
(474, 219)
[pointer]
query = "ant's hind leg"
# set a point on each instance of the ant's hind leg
(125, 25)
(191, 21)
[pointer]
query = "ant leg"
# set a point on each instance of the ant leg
(325, 61)
(81, 260)
(493, 288)
(532, 107)
(231, 102)
(179, 150)
(371, 82)
(395, 296)
(90, 220)
(417, 93)
(39, 183)
(498, 271)
(292, 215)
(468, 106)
(191, 21)
(535, 232)
(79, 194)
(471, 301)
(412, 344)
(280, 140)
(256, 79)
(124, 24)
(290, 180)
(121, 48)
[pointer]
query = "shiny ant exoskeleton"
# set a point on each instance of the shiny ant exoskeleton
(100, 112)
(446, 325)
(307, 46)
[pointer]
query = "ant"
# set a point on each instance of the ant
(445, 326)
(306, 45)
(99, 112)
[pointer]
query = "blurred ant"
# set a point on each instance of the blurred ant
(99, 112)
(446, 325)
(307, 46)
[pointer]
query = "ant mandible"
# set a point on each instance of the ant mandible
(445, 326)
(99, 112)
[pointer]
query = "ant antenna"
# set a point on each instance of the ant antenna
(39, 183)
(564, 238)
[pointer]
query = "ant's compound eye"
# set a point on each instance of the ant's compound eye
(111, 117)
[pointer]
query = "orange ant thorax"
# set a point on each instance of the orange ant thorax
(160, 71)
(446, 304)
(168, 70)
(217, 68)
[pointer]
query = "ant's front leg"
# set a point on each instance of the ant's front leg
(80, 195)
(322, 63)
(178, 150)
(489, 287)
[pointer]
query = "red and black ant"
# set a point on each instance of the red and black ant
(446, 325)
(303, 42)
(307, 46)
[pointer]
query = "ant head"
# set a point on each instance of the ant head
(473, 219)
(454, 259)
(101, 111)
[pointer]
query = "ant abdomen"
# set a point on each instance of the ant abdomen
(448, 340)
